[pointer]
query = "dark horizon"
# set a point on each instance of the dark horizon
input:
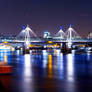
(45, 15)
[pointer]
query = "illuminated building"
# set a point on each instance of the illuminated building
(90, 35)
(47, 35)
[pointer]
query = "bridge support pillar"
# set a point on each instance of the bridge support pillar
(69, 47)
(26, 51)
(63, 47)
(66, 47)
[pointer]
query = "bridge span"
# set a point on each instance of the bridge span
(45, 40)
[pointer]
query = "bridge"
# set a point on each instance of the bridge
(27, 36)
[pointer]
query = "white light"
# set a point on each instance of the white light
(56, 52)
(45, 58)
(88, 56)
(60, 61)
(45, 52)
(69, 44)
(70, 67)
(27, 65)
(28, 79)
(27, 60)
(5, 58)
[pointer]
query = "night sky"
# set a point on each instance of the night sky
(45, 15)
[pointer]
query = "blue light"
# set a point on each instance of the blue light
(23, 27)
(61, 27)
(70, 25)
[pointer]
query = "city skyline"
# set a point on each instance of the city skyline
(45, 15)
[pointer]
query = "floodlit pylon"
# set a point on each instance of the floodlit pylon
(71, 33)
(26, 34)
(61, 33)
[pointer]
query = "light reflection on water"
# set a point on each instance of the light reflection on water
(60, 66)
(70, 67)
(60, 63)
(88, 56)
(50, 75)
(45, 58)
(55, 64)
(4, 56)
(27, 65)
(39, 66)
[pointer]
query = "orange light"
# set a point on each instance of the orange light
(50, 66)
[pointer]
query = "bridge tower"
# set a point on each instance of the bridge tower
(69, 36)
(26, 35)
(60, 33)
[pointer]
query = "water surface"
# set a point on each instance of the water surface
(47, 70)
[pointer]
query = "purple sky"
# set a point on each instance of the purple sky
(44, 15)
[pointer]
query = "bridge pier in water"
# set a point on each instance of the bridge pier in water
(26, 50)
(66, 47)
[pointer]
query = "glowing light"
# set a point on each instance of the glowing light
(25, 34)
(60, 34)
(49, 42)
(27, 65)
(5, 42)
(45, 58)
(88, 56)
(69, 44)
(28, 73)
(70, 25)
(50, 66)
(70, 67)
(6, 48)
(18, 52)
(44, 52)
(27, 60)
(61, 27)
(27, 44)
(56, 52)
(5, 58)
(23, 27)
(60, 63)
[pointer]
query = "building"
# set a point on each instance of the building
(90, 35)
(47, 35)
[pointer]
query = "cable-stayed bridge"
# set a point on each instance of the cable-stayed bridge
(27, 37)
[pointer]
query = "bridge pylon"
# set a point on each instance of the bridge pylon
(25, 35)
(60, 33)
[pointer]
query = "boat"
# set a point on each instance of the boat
(5, 69)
